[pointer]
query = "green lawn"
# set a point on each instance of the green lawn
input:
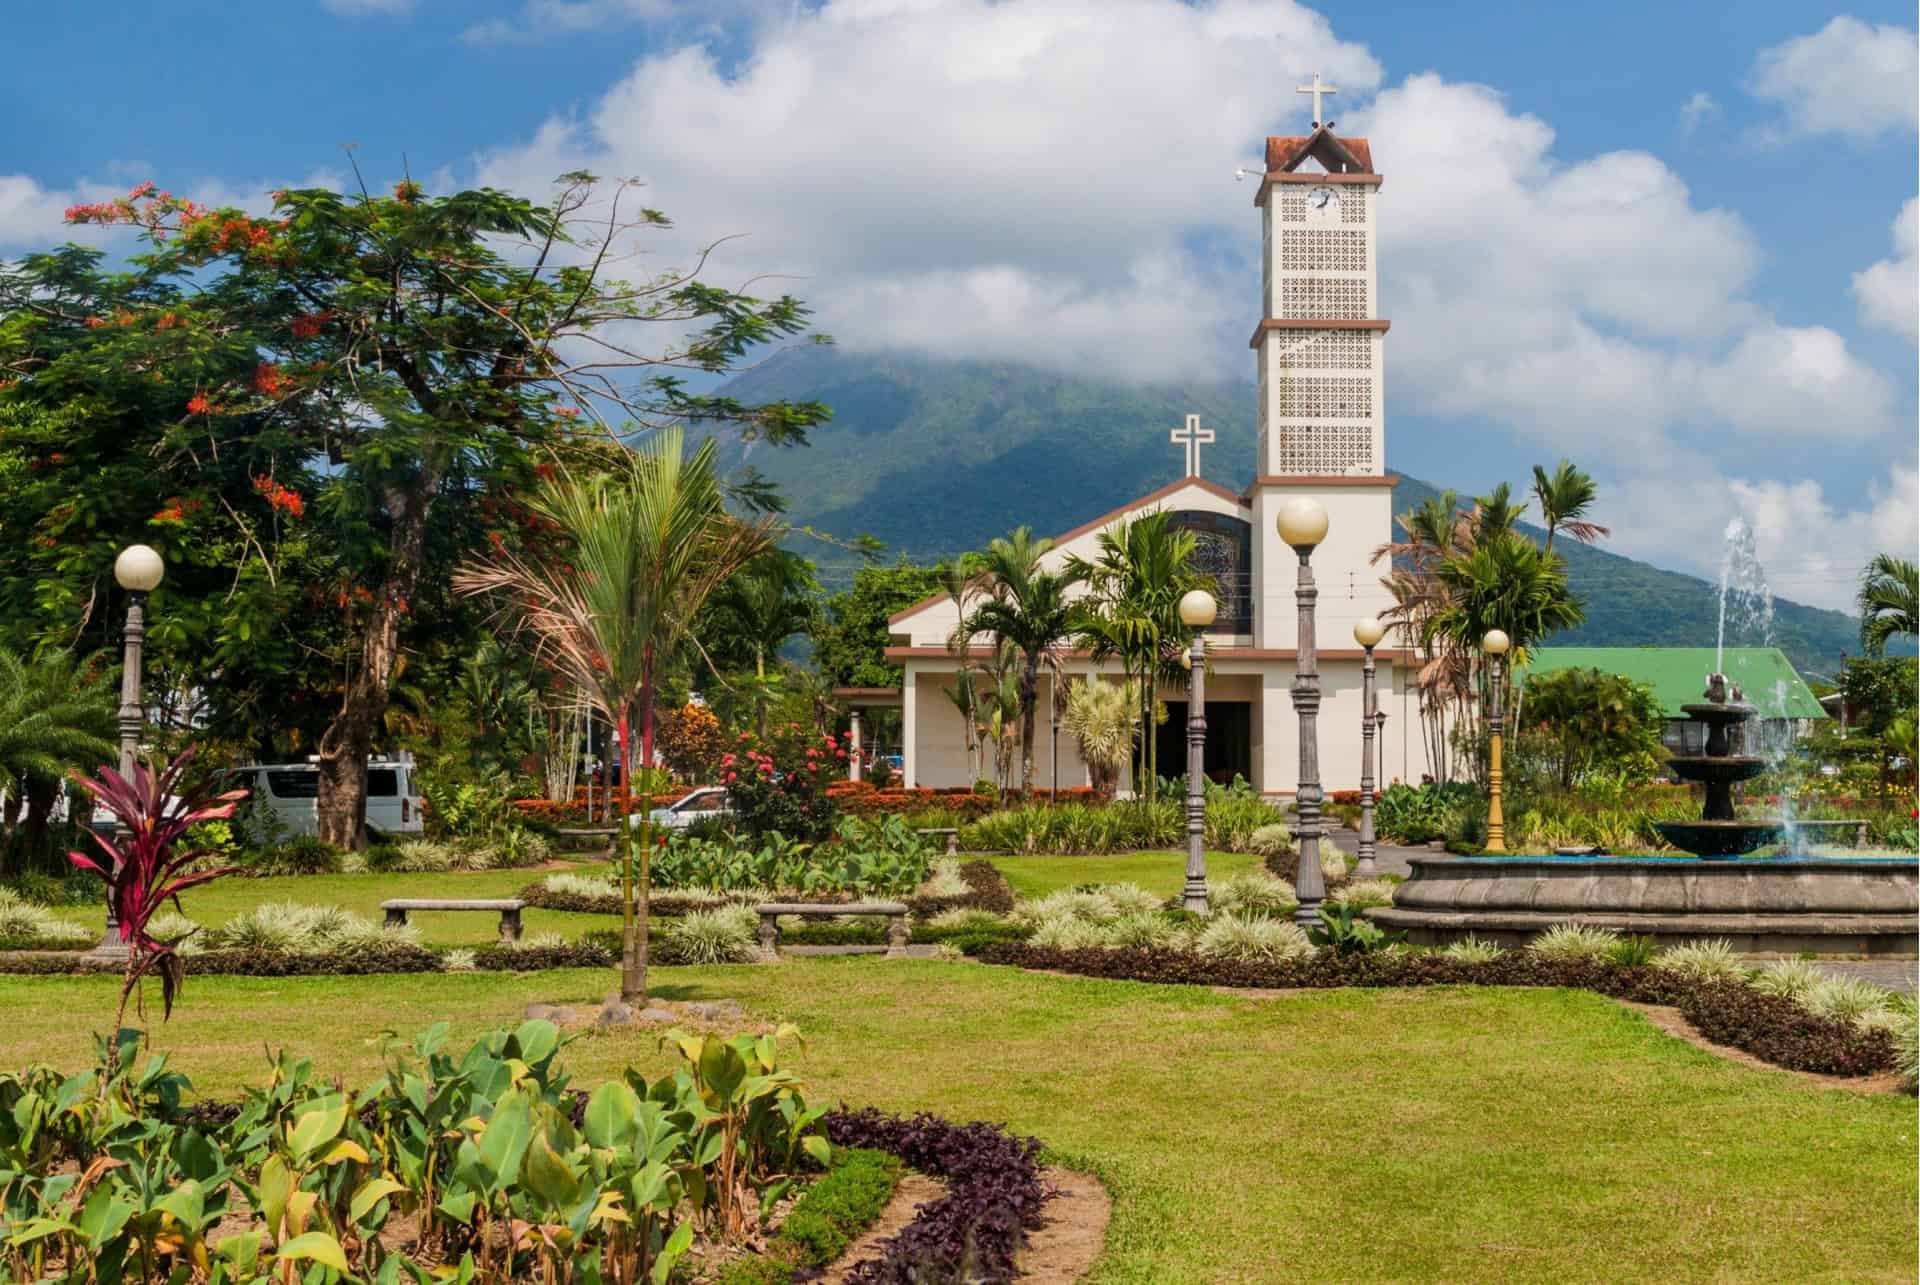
(1161, 872)
(1452, 1134)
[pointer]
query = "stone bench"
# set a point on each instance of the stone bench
(770, 912)
(593, 838)
(507, 908)
(953, 837)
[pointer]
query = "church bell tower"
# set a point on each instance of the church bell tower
(1320, 347)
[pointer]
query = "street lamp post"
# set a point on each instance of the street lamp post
(1368, 634)
(1496, 644)
(1302, 523)
(1197, 610)
(138, 570)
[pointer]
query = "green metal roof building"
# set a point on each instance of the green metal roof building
(1678, 675)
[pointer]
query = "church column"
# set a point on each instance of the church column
(853, 744)
(909, 727)
(1275, 715)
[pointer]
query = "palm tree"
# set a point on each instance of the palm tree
(1027, 607)
(757, 611)
(1889, 601)
(646, 546)
(1132, 611)
(1564, 497)
(1102, 716)
(54, 721)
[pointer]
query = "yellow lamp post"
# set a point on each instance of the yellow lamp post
(1495, 644)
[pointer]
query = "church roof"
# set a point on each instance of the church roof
(1338, 155)
(1106, 519)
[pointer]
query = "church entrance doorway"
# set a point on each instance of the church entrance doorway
(1229, 750)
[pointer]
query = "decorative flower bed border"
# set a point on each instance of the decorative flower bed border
(1728, 1012)
(994, 1196)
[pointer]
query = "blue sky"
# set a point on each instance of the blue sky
(1730, 339)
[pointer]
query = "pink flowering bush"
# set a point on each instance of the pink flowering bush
(779, 784)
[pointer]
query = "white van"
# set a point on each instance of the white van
(292, 791)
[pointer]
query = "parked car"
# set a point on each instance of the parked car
(704, 803)
(291, 791)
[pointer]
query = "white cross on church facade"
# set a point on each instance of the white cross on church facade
(1193, 437)
(1316, 89)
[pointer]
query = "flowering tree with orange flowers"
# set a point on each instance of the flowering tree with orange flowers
(333, 405)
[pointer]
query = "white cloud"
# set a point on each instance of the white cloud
(1697, 111)
(1848, 78)
(1889, 291)
(362, 8)
(1811, 547)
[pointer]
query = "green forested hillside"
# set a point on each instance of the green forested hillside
(934, 457)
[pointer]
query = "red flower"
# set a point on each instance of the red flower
(309, 324)
(143, 189)
(406, 191)
(267, 379)
(94, 323)
(199, 405)
(842, 753)
(568, 412)
(167, 321)
(732, 777)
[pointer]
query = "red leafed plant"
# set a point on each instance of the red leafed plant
(145, 865)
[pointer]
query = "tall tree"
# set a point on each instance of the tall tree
(646, 546)
(750, 618)
(851, 632)
(1889, 602)
(427, 347)
(1027, 607)
(1565, 496)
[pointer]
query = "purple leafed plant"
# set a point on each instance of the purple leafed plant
(145, 867)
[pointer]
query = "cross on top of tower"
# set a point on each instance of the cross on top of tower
(1193, 437)
(1316, 89)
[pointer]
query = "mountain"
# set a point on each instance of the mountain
(934, 457)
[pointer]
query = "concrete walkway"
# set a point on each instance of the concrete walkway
(1391, 858)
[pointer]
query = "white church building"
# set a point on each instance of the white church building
(1321, 350)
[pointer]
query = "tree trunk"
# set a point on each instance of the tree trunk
(1029, 697)
(344, 746)
(633, 936)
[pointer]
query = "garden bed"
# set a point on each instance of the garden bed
(1770, 1027)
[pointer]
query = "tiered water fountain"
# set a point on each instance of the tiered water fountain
(1763, 905)
(1719, 834)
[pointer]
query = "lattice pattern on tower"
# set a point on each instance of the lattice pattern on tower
(1293, 205)
(1328, 350)
(1304, 250)
(1324, 449)
(1336, 298)
(1325, 397)
(1353, 205)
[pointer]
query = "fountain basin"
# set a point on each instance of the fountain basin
(1717, 771)
(1765, 906)
(1719, 840)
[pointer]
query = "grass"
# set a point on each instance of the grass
(1445, 1134)
(1161, 872)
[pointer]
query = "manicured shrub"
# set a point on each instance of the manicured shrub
(1846, 999)
(1792, 978)
(357, 960)
(1253, 892)
(458, 961)
(1573, 941)
(26, 926)
(1145, 930)
(1702, 959)
(1252, 938)
(1472, 950)
(1272, 840)
(1784, 1033)
(1364, 894)
(1069, 903)
(1067, 932)
(1633, 951)
(944, 880)
(841, 1205)
(535, 958)
(725, 936)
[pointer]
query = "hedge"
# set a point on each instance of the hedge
(372, 958)
(1769, 1027)
(827, 1218)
